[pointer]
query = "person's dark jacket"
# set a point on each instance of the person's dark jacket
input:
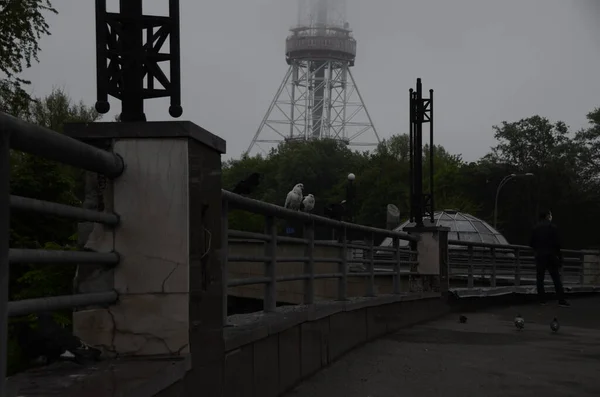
(545, 240)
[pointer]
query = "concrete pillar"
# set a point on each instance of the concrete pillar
(432, 268)
(169, 276)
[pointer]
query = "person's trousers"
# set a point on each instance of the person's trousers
(552, 265)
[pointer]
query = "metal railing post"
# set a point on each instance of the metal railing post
(309, 265)
(343, 267)
(270, 299)
(470, 270)
(397, 268)
(413, 251)
(493, 277)
(518, 267)
(371, 256)
(4, 236)
(582, 271)
(225, 255)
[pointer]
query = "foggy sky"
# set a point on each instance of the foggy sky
(487, 61)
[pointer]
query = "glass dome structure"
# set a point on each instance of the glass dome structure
(462, 226)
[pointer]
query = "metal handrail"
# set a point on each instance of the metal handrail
(40, 141)
(26, 306)
(260, 207)
(62, 210)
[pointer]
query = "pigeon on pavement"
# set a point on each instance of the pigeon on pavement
(519, 322)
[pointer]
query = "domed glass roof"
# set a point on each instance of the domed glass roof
(462, 226)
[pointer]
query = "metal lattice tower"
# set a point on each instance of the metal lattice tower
(318, 97)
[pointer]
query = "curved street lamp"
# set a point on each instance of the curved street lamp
(503, 182)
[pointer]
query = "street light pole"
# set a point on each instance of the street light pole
(350, 197)
(503, 182)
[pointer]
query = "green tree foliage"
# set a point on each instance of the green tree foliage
(322, 166)
(35, 177)
(563, 164)
(22, 24)
(382, 178)
(588, 141)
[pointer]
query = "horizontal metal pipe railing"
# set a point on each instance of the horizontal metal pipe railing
(492, 262)
(27, 306)
(65, 211)
(260, 207)
(52, 145)
(20, 256)
(39, 141)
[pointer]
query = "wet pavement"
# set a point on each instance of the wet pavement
(487, 356)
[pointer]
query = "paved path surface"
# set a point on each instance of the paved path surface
(485, 357)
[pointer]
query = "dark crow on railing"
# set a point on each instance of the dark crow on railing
(248, 185)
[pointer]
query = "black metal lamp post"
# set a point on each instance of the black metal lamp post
(350, 197)
(504, 181)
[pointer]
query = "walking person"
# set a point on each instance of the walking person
(548, 257)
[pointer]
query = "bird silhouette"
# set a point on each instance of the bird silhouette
(554, 325)
(248, 185)
(462, 319)
(519, 322)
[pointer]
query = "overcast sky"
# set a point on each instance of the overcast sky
(487, 60)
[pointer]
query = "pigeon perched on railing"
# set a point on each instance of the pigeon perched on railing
(519, 322)
(48, 342)
(247, 186)
(308, 204)
(294, 197)
(554, 325)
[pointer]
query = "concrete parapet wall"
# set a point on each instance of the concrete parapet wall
(268, 354)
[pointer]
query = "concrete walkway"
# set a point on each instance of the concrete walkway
(485, 357)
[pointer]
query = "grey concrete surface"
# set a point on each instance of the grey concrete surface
(487, 356)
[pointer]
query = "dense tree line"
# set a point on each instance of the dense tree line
(564, 164)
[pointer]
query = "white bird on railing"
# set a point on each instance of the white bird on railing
(308, 203)
(294, 197)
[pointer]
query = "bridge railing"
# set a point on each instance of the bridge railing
(496, 264)
(271, 260)
(19, 135)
